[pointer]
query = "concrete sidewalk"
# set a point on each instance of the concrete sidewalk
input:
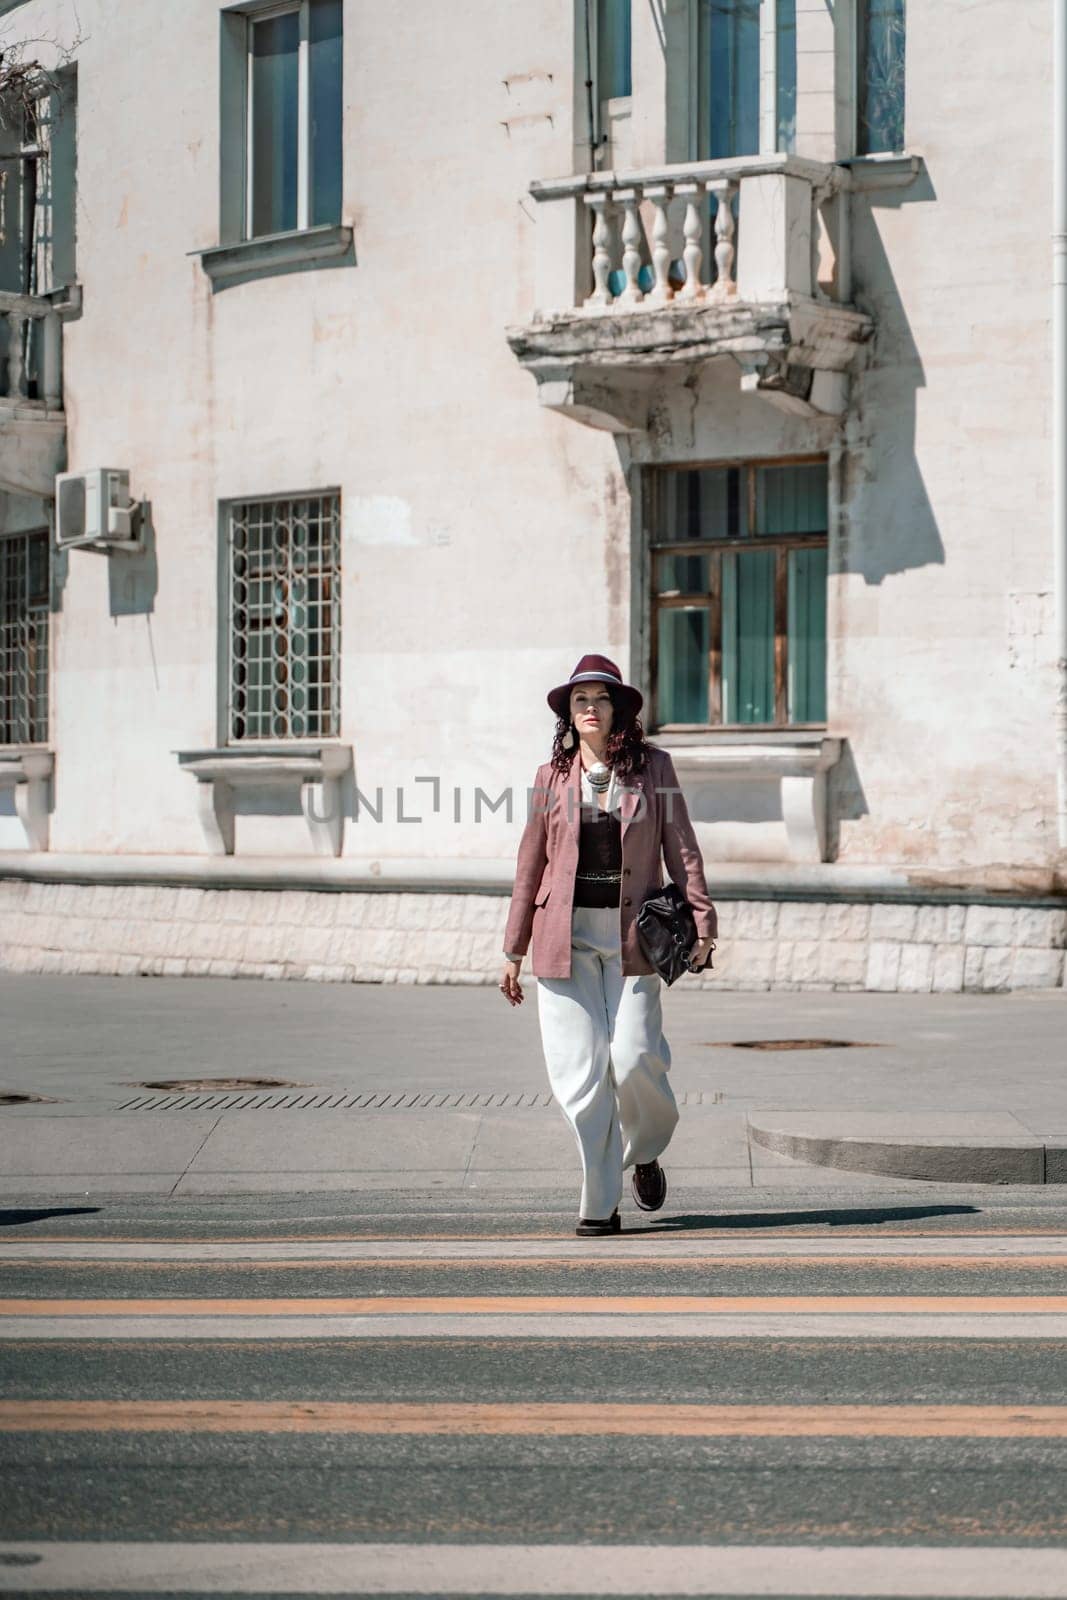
(444, 1088)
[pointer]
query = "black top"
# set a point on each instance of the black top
(599, 876)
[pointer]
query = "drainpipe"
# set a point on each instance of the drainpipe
(1059, 398)
(590, 111)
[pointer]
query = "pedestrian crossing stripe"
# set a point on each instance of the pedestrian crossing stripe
(243, 1567)
(558, 1327)
(647, 1247)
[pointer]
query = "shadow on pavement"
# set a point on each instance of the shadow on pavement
(15, 1219)
(837, 1218)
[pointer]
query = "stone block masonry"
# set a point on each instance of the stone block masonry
(407, 937)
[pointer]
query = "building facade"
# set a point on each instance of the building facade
(364, 366)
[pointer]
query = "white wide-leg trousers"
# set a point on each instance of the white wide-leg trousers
(607, 1058)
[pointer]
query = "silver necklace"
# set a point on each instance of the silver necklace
(599, 777)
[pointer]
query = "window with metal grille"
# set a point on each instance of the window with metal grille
(284, 607)
(24, 620)
(739, 594)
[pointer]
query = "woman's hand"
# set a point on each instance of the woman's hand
(510, 987)
(700, 951)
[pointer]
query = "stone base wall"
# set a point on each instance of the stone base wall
(384, 937)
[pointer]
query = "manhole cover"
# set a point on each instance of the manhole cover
(208, 1085)
(12, 1098)
(791, 1044)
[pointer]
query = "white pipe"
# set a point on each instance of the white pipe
(1059, 398)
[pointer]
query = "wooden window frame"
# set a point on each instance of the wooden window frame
(781, 544)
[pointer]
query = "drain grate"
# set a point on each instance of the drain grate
(373, 1100)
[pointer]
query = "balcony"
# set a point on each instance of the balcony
(648, 273)
(33, 429)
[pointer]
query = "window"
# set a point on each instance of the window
(24, 622)
(37, 188)
(739, 594)
(728, 92)
(283, 570)
(293, 109)
(613, 74)
(880, 55)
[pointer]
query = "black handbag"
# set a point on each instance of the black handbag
(667, 931)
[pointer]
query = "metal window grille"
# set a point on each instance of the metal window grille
(24, 627)
(284, 568)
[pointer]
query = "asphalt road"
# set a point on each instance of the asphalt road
(805, 1393)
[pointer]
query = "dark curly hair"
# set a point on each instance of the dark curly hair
(626, 749)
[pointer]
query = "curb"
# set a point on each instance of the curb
(933, 1160)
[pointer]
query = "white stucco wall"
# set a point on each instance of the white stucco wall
(487, 542)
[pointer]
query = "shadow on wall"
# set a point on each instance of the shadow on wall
(284, 800)
(845, 799)
(887, 521)
(133, 578)
(749, 801)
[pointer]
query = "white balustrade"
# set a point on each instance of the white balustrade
(626, 252)
(18, 312)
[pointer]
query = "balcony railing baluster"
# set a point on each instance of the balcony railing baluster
(601, 295)
(724, 287)
(661, 292)
(632, 293)
(693, 253)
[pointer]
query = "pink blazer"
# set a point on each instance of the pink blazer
(654, 821)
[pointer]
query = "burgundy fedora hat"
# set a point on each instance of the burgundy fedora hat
(596, 669)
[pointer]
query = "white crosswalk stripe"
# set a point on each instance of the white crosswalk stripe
(245, 1303)
(632, 1570)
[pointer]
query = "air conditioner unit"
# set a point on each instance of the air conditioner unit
(94, 509)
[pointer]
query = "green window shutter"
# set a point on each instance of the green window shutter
(748, 636)
(807, 636)
(682, 676)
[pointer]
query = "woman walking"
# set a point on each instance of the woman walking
(603, 810)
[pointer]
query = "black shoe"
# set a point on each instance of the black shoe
(590, 1227)
(649, 1184)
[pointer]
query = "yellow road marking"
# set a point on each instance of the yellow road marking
(535, 1263)
(526, 1305)
(692, 1421)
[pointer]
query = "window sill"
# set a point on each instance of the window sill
(276, 253)
(316, 770)
(27, 770)
(797, 763)
(769, 755)
(886, 170)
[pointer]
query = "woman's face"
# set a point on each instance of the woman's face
(591, 709)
